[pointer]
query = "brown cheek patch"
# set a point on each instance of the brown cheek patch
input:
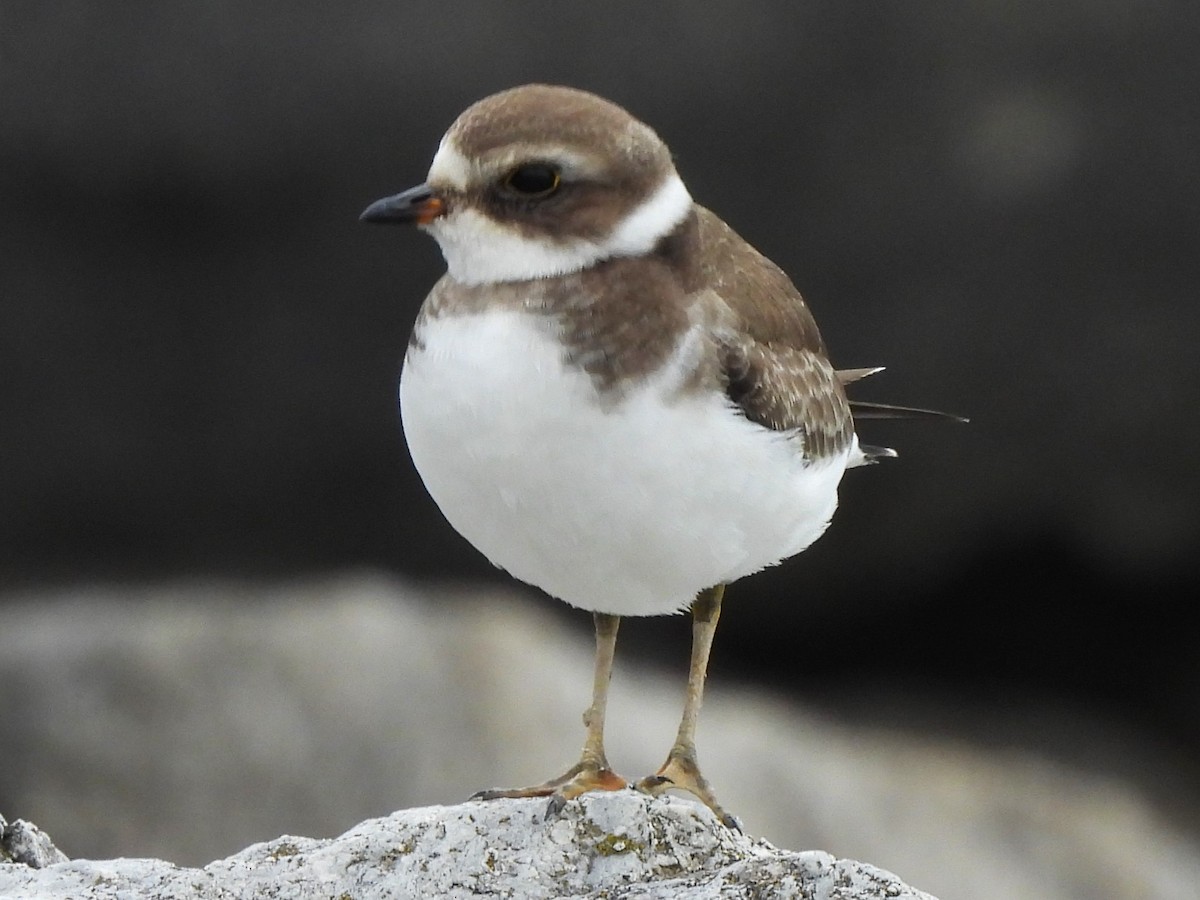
(587, 211)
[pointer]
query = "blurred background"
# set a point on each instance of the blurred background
(999, 201)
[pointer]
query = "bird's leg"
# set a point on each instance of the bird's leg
(592, 772)
(681, 769)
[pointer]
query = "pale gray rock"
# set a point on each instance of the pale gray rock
(621, 846)
(23, 843)
(185, 721)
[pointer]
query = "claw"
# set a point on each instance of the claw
(681, 772)
(488, 794)
(556, 805)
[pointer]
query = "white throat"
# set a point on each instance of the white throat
(479, 250)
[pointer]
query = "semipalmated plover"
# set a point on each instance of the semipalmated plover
(611, 394)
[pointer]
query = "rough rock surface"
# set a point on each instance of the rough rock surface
(24, 843)
(187, 721)
(622, 845)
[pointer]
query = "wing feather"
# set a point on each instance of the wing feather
(771, 354)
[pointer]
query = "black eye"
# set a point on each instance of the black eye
(533, 180)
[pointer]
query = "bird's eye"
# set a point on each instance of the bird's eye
(533, 180)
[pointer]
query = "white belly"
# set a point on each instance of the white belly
(626, 508)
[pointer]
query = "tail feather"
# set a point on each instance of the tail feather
(872, 454)
(861, 409)
(847, 376)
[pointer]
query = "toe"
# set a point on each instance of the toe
(654, 784)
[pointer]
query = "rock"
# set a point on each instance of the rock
(621, 845)
(136, 721)
(24, 843)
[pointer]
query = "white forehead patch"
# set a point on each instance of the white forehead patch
(450, 167)
(480, 250)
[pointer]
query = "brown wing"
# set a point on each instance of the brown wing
(772, 355)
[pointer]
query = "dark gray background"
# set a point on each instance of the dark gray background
(199, 344)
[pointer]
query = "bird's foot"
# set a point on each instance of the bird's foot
(581, 778)
(681, 772)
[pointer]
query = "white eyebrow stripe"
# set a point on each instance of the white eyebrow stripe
(453, 168)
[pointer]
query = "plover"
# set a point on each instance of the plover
(610, 393)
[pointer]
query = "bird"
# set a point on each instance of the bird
(611, 394)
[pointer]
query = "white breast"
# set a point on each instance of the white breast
(627, 508)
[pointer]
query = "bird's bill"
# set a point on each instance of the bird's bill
(417, 204)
